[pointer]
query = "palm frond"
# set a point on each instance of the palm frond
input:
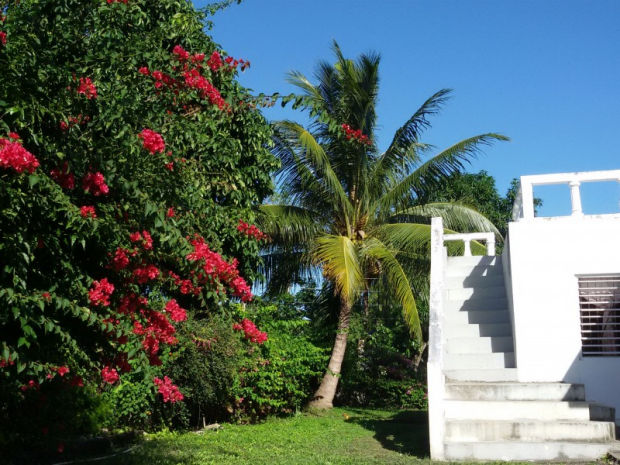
(319, 163)
(289, 224)
(456, 216)
(374, 249)
(406, 142)
(338, 256)
(431, 173)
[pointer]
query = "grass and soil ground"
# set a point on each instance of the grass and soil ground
(337, 437)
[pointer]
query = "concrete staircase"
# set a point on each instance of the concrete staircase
(488, 414)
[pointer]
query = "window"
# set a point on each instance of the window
(599, 306)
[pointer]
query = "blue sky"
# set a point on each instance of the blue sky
(544, 72)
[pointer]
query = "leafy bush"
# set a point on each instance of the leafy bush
(124, 133)
(279, 376)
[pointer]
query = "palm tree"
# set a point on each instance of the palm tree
(350, 211)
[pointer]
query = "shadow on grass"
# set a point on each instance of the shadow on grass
(405, 432)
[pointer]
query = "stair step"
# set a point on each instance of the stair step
(475, 261)
(515, 391)
(483, 375)
(532, 431)
(476, 272)
(478, 361)
(478, 317)
(528, 451)
(473, 330)
(480, 292)
(526, 410)
(479, 345)
(490, 303)
(463, 282)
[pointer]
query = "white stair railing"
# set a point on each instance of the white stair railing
(487, 237)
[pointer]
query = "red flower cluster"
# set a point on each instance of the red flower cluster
(251, 230)
(62, 371)
(88, 211)
(192, 78)
(146, 273)
(170, 213)
(32, 384)
(13, 155)
(195, 80)
(120, 260)
(3, 37)
(252, 333)
(356, 134)
(100, 292)
(145, 237)
(109, 375)
(6, 363)
(63, 177)
(215, 267)
(87, 88)
(177, 313)
(215, 61)
(152, 141)
(169, 391)
(185, 285)
(95, 184)
(158, 330)
(73, 120)
(180, 52)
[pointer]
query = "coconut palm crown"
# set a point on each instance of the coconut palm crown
(352, 211)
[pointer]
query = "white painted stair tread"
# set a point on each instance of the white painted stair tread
(526, 410)
(467, 390)
(526, 451)
(500, 374)
(529, 430)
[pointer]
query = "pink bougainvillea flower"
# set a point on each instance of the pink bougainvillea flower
(169, 391)
(170, 213)
(100, 292)
(176, 312)
(63, 177)
(88, 211)
(252, 333)
(3, 37)
(152, 141)
(62, 371)
(87, 88)
(180, 52)
(16, 157)
(120, 260)
(109, 375)
(95, 184)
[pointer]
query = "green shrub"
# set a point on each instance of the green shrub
(279, 376)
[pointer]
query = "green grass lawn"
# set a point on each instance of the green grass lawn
(365, 437)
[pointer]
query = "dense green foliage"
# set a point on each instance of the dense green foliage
(79, 86)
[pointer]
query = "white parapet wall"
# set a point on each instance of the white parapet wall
(545, 258)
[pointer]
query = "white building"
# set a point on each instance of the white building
(524, 349)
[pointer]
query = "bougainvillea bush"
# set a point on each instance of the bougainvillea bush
(129, 158)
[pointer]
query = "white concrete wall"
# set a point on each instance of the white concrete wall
(546, 256)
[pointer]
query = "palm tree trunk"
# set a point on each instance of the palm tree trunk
(324, 396)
